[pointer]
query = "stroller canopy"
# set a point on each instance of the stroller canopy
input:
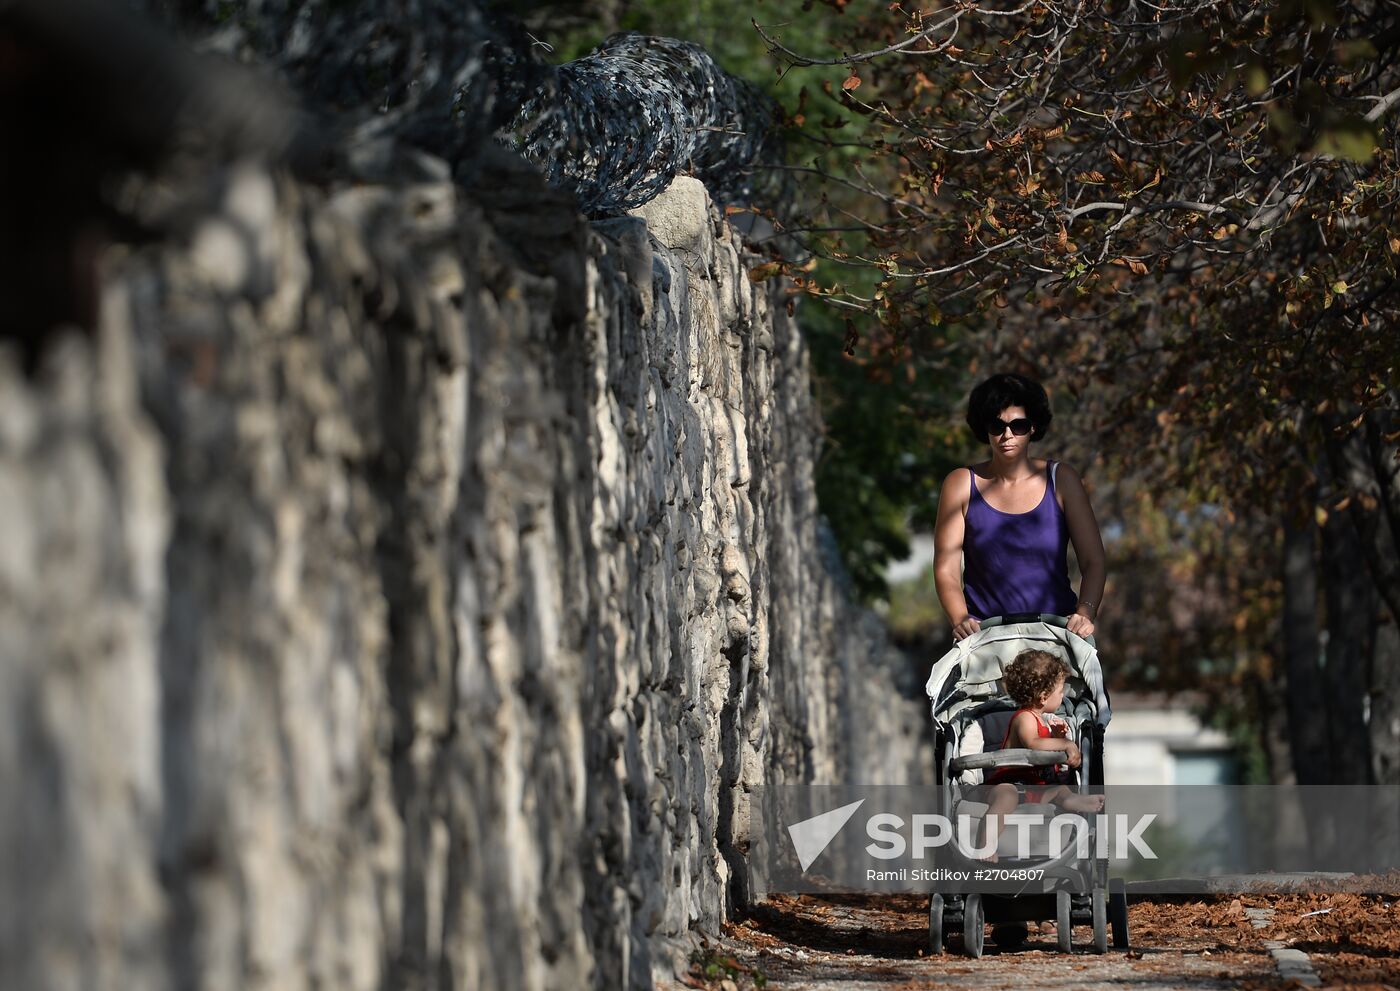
(970, 673)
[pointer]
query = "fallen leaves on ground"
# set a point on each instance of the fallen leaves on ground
(1353, 940)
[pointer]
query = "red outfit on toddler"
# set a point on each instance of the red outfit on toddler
(1046, 776)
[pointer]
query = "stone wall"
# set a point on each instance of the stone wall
(406, 587)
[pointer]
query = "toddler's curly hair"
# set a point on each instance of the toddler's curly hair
(1032, 676)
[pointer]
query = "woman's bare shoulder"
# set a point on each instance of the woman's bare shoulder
(954, 499)
(1069, 487)
(957, 481)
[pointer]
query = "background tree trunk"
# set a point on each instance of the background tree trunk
(1384, 697)
(1366, 480)
(1384, 676)
(1307, 725)
(1351, 623)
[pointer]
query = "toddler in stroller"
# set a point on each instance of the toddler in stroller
(1035, 680)
(973, 717)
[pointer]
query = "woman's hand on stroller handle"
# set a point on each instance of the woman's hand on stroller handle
(966, 627)
(1080, 624)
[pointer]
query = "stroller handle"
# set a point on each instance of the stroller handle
(1016, 756)
(1049, 619)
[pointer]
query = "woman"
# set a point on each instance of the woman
(1004, 524)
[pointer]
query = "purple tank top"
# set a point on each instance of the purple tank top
(1015, 562)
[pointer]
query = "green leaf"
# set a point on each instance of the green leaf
(1353, 138)
(1256, 80)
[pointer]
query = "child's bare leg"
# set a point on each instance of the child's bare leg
(1002, 800)
(1072, 801)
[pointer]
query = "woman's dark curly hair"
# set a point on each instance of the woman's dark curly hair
(1000, 391)
(1032, 676)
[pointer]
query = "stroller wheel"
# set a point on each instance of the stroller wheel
(974, 925)
(935, 924)
(1010, 935)
(1118, 912)
(1098, 902)
(1062, 921)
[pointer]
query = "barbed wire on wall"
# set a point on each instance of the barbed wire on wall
(617, 125)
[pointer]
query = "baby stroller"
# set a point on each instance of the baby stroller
(971, 713)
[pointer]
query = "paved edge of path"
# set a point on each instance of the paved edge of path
(1292, 964)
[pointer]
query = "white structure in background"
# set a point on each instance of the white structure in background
(920, 557)
(1156, 739)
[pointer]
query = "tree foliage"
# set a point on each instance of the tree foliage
(1189, 205)
(886, 448)
(1181, 216)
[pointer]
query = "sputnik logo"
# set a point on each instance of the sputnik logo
(811, 836)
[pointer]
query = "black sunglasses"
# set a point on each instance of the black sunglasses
(1019, 426)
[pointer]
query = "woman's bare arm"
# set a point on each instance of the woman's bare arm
(1088, 549)
(947, 552)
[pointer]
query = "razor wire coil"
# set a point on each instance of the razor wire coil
(617, 125)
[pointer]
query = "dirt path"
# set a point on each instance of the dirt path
(878, 943)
